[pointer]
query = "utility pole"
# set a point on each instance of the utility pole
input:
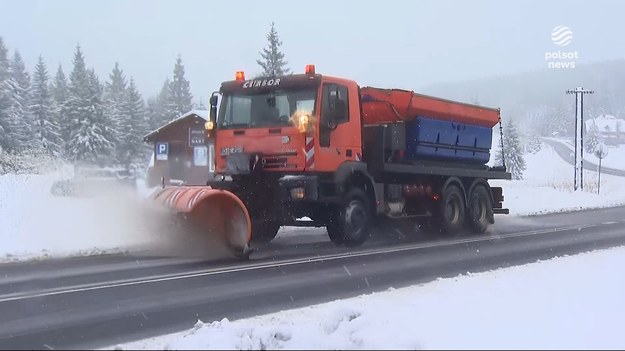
(578, 178)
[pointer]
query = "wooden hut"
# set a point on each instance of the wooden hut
(183, 154)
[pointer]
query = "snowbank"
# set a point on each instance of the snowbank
(548, 187)
(557, 304)
(36, 224)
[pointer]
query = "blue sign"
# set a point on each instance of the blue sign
(162, 151)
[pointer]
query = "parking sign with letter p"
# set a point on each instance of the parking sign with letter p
(162, 151)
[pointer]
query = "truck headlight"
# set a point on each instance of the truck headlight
(209, 125)
(298, 193)
(302, 120)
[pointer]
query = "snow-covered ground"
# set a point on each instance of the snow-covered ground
(614, 159)
(34, 224)
(571, 302)
(547, 186)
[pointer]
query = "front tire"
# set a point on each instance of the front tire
(334, 232)
(351, 223)
(264, 232)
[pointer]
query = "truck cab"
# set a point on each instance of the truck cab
(298, 123)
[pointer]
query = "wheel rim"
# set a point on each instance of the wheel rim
(355, 218)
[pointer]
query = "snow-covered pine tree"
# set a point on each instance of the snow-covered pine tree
(534, 144)
(153, 112)
(76, 108)
(60, 95)
(513, 152)
(19, 89)
(114, 99)
(200, 105)
(592, 138)
(272, 59)
(165, 101)
(133, 127)
(107, 136)
(5, 122)
(157, 107)
(46, 128)
(91, 133)
(180, 97)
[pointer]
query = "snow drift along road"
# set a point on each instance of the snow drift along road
(35, 224)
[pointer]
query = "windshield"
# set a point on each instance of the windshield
(264, 109)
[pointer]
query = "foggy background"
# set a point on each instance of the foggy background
(402, 44)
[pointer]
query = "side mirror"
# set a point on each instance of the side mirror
(213, 107)
(213, 100)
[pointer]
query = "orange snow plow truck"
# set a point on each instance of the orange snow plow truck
(347, 157)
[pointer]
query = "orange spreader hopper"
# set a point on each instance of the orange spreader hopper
(217, 213)
(395, 105)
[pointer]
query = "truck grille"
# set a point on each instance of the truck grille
(274, 162)
(277, 161)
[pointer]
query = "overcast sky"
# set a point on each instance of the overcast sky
(403, 44)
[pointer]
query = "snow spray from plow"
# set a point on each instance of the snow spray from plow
(218, 214)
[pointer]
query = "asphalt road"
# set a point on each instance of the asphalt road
(97, 302)
(568, 155)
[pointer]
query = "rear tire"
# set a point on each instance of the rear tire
(449, 215)
(480, 210)
(264, 232)
(350, 225)
(452, 209)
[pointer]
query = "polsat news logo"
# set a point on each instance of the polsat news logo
(561, 36)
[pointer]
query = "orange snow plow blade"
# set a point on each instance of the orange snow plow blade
(217, 213)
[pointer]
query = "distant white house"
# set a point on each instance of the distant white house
(611, 129)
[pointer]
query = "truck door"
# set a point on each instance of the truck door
(339, 138)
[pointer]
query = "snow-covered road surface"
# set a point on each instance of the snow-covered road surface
(565, 303)
(99, 301)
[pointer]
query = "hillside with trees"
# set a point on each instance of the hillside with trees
(79, 117)
(537, 100)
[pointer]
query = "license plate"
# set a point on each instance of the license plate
(231, 150)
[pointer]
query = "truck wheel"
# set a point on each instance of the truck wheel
(351, 224)
(452, 212)
(480, 210)
(334, 232)
(264, 232)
